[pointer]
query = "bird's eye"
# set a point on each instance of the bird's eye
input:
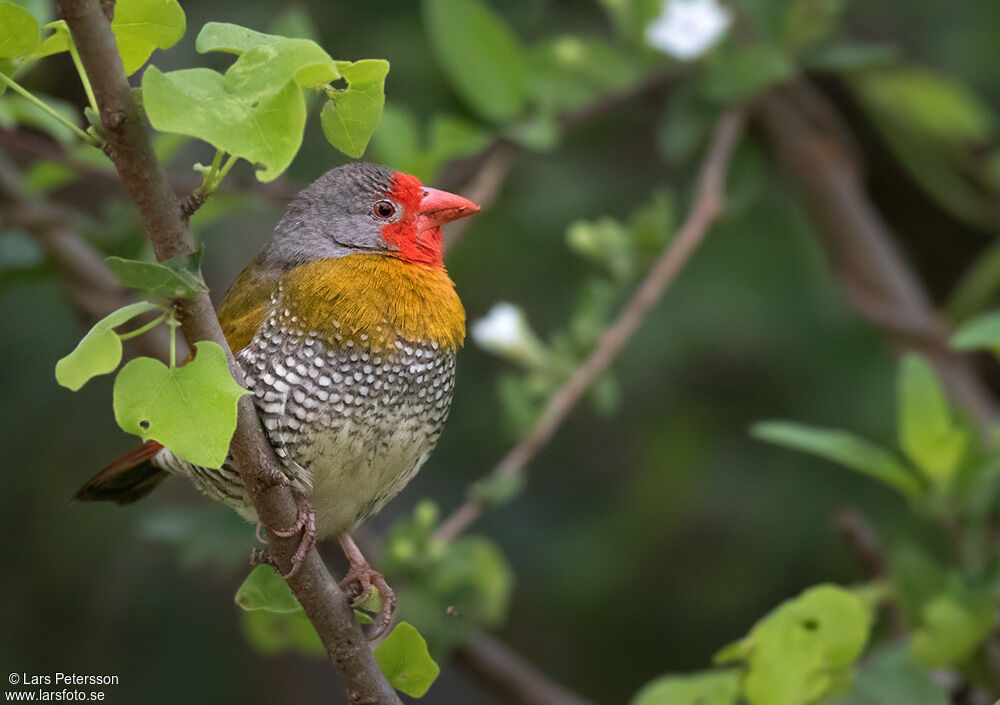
(383, 210)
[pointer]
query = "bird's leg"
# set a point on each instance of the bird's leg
(360, 580)
(305, 522)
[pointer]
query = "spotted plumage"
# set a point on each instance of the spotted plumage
(347, 328)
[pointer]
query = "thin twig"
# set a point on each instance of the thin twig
(863, 255)
(483, 174)
(484, 187)
(708, 203)
(504, 671)
(84, 275)
(131, 151)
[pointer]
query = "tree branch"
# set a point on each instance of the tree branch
(518, 680)
(483, 174)
(84, 275)
(131, 151)
(876, 280)
(708, 203)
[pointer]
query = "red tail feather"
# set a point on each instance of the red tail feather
(128, 479)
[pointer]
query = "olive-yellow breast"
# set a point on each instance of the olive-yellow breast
(346, 326)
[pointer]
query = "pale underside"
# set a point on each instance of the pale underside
(351, 424)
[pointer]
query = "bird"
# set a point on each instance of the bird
(346, 326)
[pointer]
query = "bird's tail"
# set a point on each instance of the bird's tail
(127, 480)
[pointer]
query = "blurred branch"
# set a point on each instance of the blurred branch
(131, 151)
(807, 136)
(485, 185)
(707, 205)
(482, 175)
(36, 147)
(864, 543)
(506, 672)
(87, 279)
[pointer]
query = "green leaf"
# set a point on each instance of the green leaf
(273, 619)
(480, 55)
(475, 579)
(453, 138)
(143, 26)
(706, 688)
(735, 74)
(20, 35)
(175, 278)
(570, 71)
(55, 43)
(844, 448)
(396, 142)
(272, 633)
(540, 134)
(100, 350)
(405, 661)
(198, 103)
(927, 433)
(952, 625)
(606, 242)
(267, 62)
(982, 332)
(935, 125)
(265, 590)
(686, 125)
(850, 57)
(797, 652)
(231, 38)
(190, 409)
(939, 105)
(809, 21)
(890, 677)
(350, 119)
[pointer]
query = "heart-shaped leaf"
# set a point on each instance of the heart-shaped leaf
(19, 32)
(349, 120)
(265, 590)
(405, 661)
(198, 103)
(100, 350)
(267, 61)
(143, 26)
(480, 54)
(190, 409)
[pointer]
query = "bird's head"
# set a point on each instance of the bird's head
(365, 208)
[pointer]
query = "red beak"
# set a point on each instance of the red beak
(440, 207)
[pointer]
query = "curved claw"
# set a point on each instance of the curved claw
(358, 584)
(305, 522)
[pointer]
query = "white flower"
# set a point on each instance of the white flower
(504, 331)
(688, 28)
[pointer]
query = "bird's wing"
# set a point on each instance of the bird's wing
(246, 305)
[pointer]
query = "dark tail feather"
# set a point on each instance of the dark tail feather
(127, 480)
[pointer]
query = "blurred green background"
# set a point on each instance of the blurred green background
(646, 538)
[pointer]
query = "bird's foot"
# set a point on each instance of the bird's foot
(359, 583)
(305, 523)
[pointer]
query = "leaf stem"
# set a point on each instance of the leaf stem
(230, 162)
(142, 329)
(14, 85)
(84, 79)
(172, 322)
